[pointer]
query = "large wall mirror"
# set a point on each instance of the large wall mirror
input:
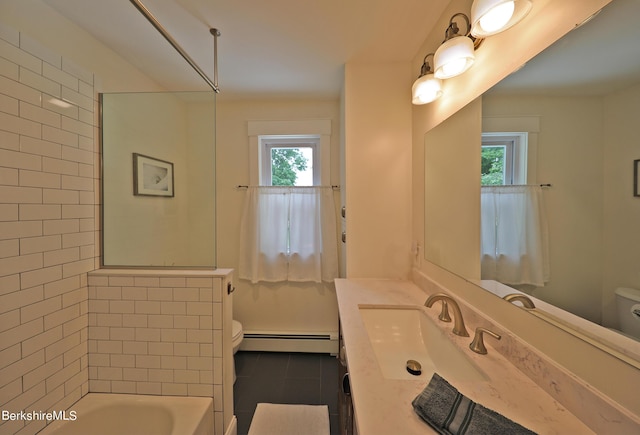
(577, 105)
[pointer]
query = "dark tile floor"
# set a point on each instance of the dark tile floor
(290, 378)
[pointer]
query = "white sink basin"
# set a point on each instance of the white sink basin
(402, 333)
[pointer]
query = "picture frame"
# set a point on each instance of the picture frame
(152, 177)
(636, 174)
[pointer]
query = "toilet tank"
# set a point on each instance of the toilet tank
(628, 304)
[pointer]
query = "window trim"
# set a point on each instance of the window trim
(317, 127)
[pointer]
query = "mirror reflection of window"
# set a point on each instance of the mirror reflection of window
(503, 159)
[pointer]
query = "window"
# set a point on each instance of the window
(289, 160)
(288, 226)
(504, 159)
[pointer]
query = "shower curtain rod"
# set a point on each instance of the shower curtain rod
(213, 83)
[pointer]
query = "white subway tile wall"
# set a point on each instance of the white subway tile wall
(156, 335)
(48, 231)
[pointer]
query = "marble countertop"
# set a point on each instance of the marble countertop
(383, 406)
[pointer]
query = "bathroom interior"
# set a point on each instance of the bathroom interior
(106, 289)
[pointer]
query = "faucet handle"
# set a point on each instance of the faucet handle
(444, 313)
(477, 345)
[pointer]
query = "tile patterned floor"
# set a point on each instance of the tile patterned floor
(290, 378)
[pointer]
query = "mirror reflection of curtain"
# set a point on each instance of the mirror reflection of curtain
(514, 235)
(288, 234)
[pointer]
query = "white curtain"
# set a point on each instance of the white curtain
(514, 235)
(288, 234)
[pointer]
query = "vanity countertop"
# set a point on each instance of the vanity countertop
(383, 406)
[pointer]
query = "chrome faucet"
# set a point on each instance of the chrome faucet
(524, 299)
(458, 325)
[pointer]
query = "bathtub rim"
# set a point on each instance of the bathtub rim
(183, 409)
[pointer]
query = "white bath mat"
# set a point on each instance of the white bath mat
(276, 419)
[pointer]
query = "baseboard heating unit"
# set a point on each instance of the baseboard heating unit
(323, 342)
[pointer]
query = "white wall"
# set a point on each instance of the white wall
(276, 307)
(377, 111)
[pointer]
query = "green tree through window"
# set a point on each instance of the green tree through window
(493, 165)
(285, 165)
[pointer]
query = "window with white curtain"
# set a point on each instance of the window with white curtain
(288, 231)
(288, 234)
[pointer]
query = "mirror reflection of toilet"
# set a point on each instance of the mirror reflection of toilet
(628, 305)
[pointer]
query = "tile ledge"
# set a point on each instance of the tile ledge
(162, 272)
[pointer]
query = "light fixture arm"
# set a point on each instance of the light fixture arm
(426, 66)
(453, 29)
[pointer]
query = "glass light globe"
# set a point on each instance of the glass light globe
(497, 17)
(454, 57)
(426, 89)
(489, 17)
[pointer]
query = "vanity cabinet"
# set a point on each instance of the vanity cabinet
(345, 404)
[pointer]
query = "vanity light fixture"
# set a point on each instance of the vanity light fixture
(489, 17)
(456, 54)
(427, 87)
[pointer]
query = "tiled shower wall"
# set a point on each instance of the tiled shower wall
(158, 333)
(48, 227)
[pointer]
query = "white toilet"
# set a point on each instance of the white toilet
(237, 336)
(628, 304)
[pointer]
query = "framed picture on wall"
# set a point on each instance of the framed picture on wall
(152, 177)
(636, 174)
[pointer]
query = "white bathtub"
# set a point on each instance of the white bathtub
(123, 414)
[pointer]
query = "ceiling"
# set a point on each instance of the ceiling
(598, 58)
(275, 48)
(298, 48)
